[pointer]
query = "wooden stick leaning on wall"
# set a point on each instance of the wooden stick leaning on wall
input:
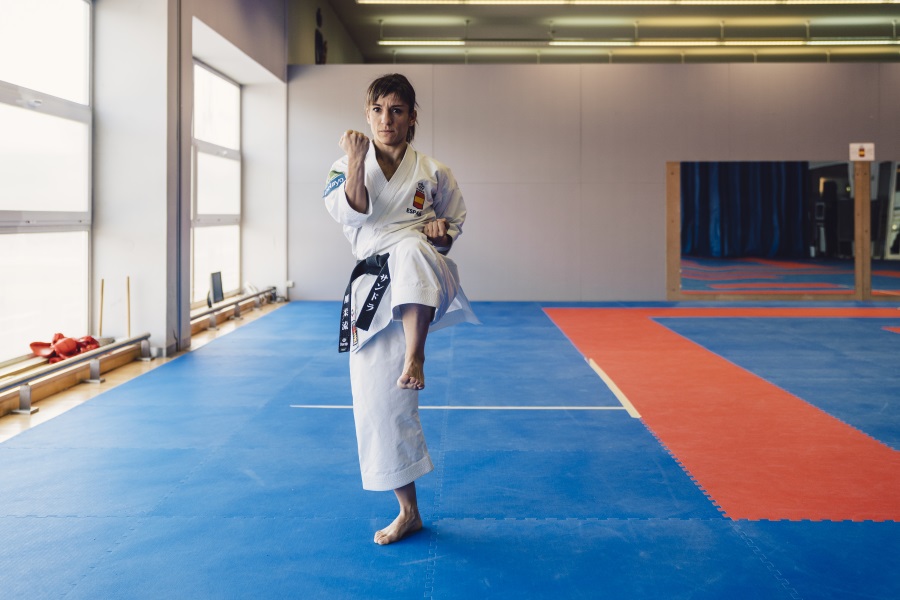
(128, 301)
(100, 329)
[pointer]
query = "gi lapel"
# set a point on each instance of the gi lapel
(391, 194)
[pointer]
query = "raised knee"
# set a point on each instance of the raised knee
(411, 246)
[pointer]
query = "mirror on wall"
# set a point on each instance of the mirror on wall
(773, 229)
(767, 228)
(886, 230)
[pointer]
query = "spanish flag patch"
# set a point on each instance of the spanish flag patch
(419, 200)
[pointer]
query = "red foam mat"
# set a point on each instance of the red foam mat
(757, 451)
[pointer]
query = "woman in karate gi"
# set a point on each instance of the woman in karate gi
(403, 208)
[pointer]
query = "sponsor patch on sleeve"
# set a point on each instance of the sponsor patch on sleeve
(335, 179)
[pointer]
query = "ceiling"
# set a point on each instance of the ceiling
(625, 32)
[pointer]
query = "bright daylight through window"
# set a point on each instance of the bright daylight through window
(45, 148)
(216, 206)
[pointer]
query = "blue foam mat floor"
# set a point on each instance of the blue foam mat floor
(199, 480)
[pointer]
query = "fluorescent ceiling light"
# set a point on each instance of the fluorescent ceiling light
(421, 43)
(632, 2)
(851, 42)
(659, 43)
(468, 43)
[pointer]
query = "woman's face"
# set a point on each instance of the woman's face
(390, 119)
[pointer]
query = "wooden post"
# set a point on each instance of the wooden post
(862, 250)
(673, 230)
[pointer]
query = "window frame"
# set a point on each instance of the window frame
(28, 222)
(26, 99)
(201, 220)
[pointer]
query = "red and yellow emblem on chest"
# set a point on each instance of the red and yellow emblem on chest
(419, 199)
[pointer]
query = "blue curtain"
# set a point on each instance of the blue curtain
(735, 209)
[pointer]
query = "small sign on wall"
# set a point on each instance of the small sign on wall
(864, 152)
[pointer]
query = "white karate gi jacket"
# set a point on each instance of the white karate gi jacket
(421, 190)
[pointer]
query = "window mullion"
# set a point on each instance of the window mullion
(215, 149)
(22, 97)
(26, 219)
(215, 220)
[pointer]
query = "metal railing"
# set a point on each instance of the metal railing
(236, 303)
(25, 380)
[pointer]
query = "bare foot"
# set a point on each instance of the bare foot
(413, 377)
(402, 526)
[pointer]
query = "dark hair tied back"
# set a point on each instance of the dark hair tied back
(394, 83)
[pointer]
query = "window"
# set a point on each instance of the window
(216, 202)
(45, 166)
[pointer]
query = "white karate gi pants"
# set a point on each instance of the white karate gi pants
(392, 449)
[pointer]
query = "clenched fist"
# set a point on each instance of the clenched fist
(436, 232)
(354, 144)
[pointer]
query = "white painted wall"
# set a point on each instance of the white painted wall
(142, 101)
(264, 212)
(131, 197)
(563, 166)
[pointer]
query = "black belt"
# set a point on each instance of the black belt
(374, 265)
